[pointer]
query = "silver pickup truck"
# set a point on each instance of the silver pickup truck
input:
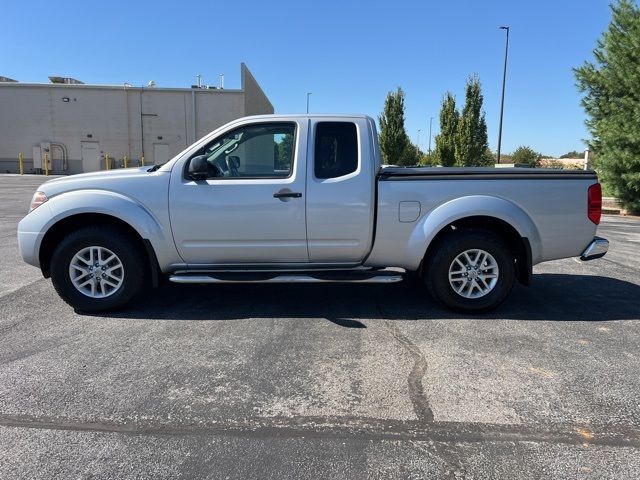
(304, 198)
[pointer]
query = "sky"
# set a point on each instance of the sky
(348, 53)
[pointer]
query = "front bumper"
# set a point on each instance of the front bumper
(31, 231)
(596, 249)
(28, 245)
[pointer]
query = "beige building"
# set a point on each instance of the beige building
(78, 126)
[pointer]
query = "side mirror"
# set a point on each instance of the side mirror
(199, 168)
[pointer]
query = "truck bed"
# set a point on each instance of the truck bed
(550, 213)
(480, 173)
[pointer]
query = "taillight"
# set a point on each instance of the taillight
(38, 199)
(594, 201)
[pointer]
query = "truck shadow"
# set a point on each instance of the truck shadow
(553, 297)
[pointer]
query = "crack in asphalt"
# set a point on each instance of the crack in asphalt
(417, 395)
(344, 428)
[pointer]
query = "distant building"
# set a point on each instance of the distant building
(76, 125)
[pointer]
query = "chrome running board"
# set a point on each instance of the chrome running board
(383, 276)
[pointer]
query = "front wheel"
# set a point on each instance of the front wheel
(97, 269)
(470, 271)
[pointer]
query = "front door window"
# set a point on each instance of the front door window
(252, 151)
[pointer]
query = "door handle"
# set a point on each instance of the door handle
(287, 195)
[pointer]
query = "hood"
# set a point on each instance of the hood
(116, 172)
(105, 179)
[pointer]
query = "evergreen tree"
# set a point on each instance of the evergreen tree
(471, 135)
(525, 155)
(394, 141)
(611, 86)
(489, 158)
(573, 154)
(412, 155)
(446, 140)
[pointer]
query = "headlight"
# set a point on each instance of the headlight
(38, 199)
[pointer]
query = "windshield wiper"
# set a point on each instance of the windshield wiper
(156, 167)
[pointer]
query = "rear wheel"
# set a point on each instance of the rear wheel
(97, 269)
(470, 271)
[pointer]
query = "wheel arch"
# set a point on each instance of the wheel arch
(519, 246)
(493, 214)
(71, 223)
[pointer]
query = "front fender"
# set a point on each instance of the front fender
(108, 203)
(474, 205)
(104, 202)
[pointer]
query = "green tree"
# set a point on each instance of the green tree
(394, 140)
(429, 160)
(489, 158)
(573, 154)
(471, 135)
(411, 156)
(611, 87)
(445, 151)
(525, 155)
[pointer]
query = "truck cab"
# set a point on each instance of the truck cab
(294, 190)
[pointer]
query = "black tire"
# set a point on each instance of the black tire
(116, 241)
(436, 271)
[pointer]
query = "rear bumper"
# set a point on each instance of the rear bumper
(596, 249)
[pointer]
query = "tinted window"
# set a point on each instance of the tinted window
(253, 151)
(336, 149)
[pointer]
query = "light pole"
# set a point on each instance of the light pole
(418, 141)
(504, 81)
(308, 95)
(430, 122)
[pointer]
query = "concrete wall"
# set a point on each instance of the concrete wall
(117, 118)
(256, 102)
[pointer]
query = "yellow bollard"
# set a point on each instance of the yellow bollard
(46, 164)
(21, 163)
(126, 159)
(142, 161)
(106, 162)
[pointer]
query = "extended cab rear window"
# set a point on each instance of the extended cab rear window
(336, 149)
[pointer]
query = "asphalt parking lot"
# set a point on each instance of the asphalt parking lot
(323, 381)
